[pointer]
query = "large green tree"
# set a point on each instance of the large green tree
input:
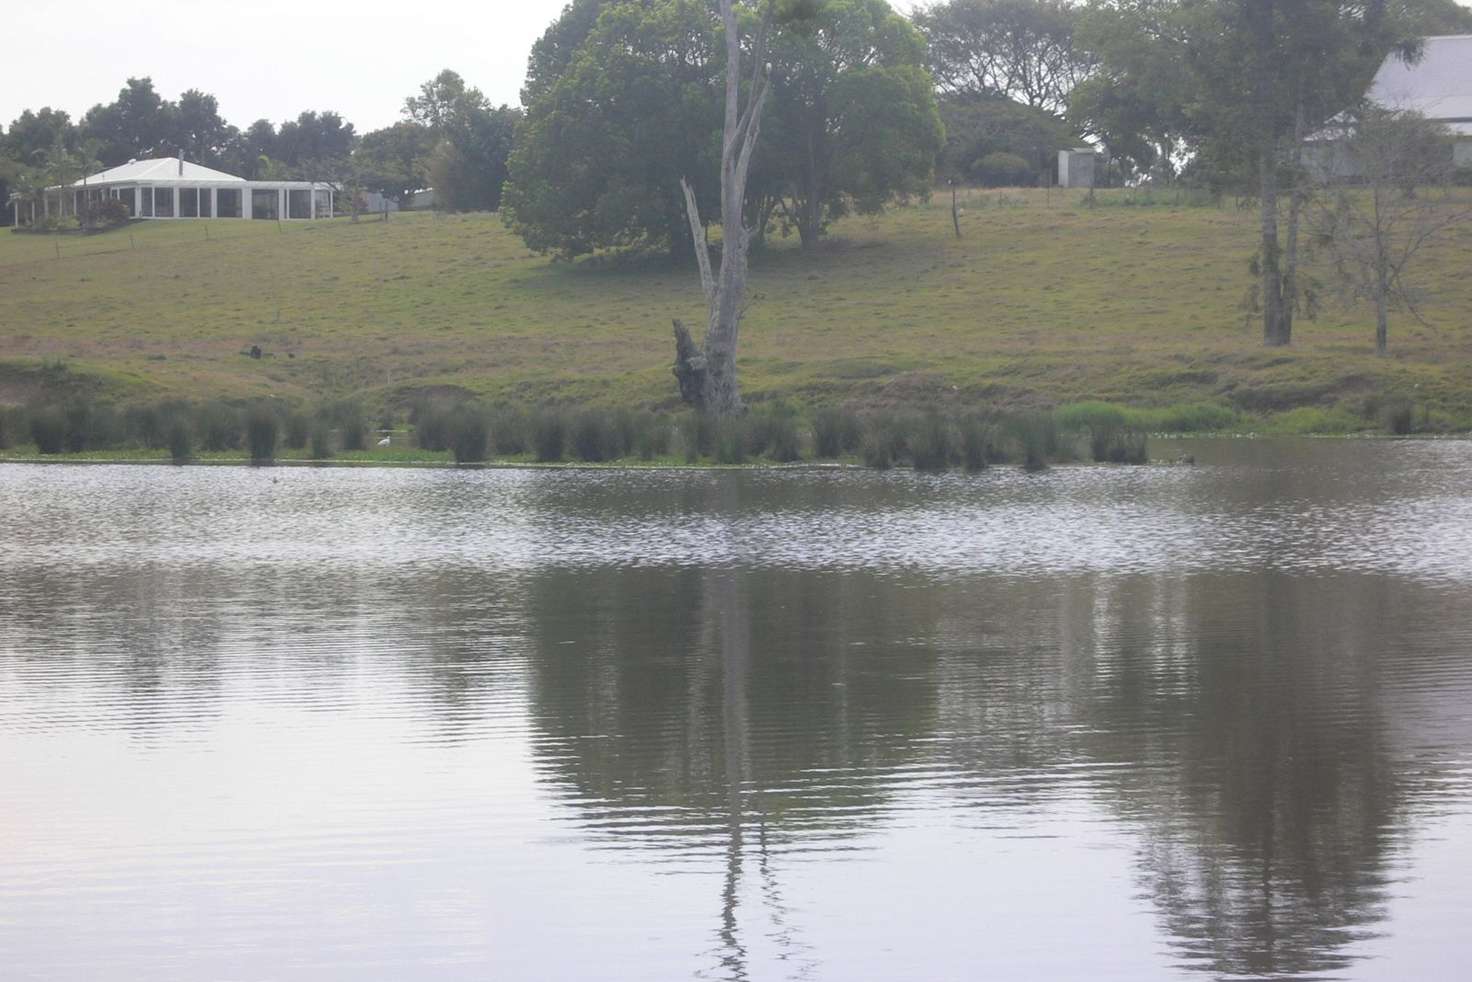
(135, 125)
(615, 122)
(852, 120)
(471, 141)
(394, 161)
(1019, 49)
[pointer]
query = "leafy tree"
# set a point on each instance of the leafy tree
(604, 146)
(471, 142)
(196, 129)
(308, 143)
(35, 132)
(133, 126)
(853, 119)
(249, 155)
(1021, 49)
(394, 161)
(1375, 230)
(978, 126)
(619, 118)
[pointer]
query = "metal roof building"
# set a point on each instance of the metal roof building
(1438, 85)
(174, 188)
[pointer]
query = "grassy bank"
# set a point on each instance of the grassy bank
(1043, 302)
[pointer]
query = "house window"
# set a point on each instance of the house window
(298, 204)
(163, 202)
(264, 204)
(227, 203)
(324, 204)
(189, 202)
(147, 197)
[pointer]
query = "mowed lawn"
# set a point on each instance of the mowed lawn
(1042, 301)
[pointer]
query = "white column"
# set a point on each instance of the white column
(247, 194)
(313, 193)
(176, 202)
(331, 203)
(281, 203)
(45, 205)
(137, 202)
(214, 202)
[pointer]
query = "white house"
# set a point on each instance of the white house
(172, 188)
(1438, 85)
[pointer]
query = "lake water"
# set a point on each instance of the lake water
(1150, 723)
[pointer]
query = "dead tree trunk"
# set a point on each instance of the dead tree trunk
(708, 374)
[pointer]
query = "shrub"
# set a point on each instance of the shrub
(48, 429)
(107, 213)
(835, 432)
(1194, 417)
(470, 435)
(1122, 447)
(14, 427)
(1398, 416)
(261, 428)
(883, 442)
(729, 436)
(508, 432)
(592, 437)
(296, 430)
(773, 431)
(930, 443)
(697, 436)
(977, 443)
(351, 423)
(320, 441)
(1037, 438)
(549, 435)
(621, 434)
(83, 427)
(651, 436)
(218, 426)
(432, 425)
(1084, 416)
(1001, 169)
(146, 425)
(181, 441)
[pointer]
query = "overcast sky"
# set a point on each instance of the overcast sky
(267, 58)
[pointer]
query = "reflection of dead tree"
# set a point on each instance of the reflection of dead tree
(1375, 230)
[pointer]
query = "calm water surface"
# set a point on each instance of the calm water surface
(1153, 723)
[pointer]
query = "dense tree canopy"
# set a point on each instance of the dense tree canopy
(1018, 49)
(981, 127)
(618, 118)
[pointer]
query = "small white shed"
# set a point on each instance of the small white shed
(1078, 168)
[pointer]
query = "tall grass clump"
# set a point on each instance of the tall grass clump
(470, 435)
(15, 429)
(1037, 439)
(432, 422)
(296, 430)
(509, 431)
(835, 433)
(697, 436)
(593, 438)
(90, 426)
(882, 444)
(48, 429)
(549, 435)
(1398, 417)
(351, 423)
(772, 430)
(651, 436)
(930, 442)
(978, 443)
(180, 439)
(729, 436)
(261, 431)
(217, 426)
(319, 442)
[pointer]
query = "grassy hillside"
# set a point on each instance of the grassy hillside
(1043, 301)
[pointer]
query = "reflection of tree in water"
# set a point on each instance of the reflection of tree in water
(1242, 725)
(727, 715)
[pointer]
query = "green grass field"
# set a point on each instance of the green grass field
(1043, 301)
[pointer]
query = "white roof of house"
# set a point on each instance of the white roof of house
(159, 170)
(1438, 85)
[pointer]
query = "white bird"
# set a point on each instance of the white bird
(384, 442)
